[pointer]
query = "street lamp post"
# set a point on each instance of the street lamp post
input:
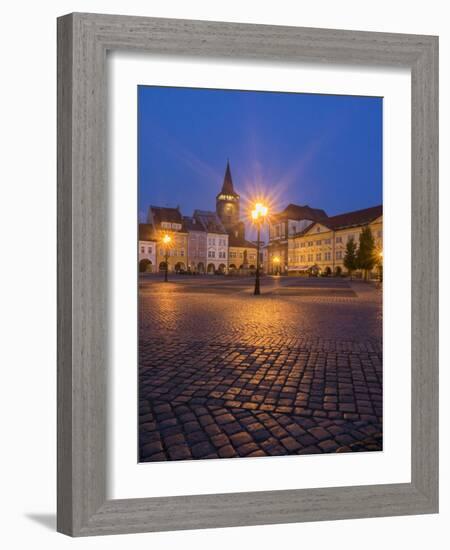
(258, 215)
(167, 239)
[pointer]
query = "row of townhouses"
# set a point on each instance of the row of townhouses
(206, 242)
(301, 239)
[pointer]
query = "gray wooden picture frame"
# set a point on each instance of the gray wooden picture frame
(83, 41)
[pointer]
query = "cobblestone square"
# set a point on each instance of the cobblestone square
(223, 373)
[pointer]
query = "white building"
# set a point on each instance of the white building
(216, 241)
(147, 248)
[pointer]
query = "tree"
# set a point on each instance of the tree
(365, 258)
(350, 256)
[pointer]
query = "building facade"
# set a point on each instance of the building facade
(216, 241)
(242, 254)
(196, 245)
(146, 248)
(284, 225)
(320, 247)
(169, 221)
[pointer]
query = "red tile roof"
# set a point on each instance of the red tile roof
(298, 212)
(164, 214)
(358, 217)
(146, 232)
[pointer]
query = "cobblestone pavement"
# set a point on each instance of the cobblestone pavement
(297, 370)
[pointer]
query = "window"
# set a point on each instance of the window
(338, 239)
(379, 233)
(318, 257)
(211, 254)
(302, 258)
(232, 254)
(277, 231)
(327, 241)
(339, 255)
(150, 250)
(310, 257)
(351, 236)
(222, 254)
(310, 243)
(327, 255)
(182, 252)
(302, 245)
(319, 242)
(142, 250)
(165, 225)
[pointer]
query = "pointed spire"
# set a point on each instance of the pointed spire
(227, 187)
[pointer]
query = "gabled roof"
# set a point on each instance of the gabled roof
(164, 214)
(146, 232)
(310, 226)
(210, 221)
(191, 224)
(227, 186)
(357, 217)
(348, 219)
(298, 212)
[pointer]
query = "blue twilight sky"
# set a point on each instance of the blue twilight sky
(321, 150)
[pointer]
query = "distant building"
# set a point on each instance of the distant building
(241, 254)
(293, 219)
(196, 245)
(169, 221)
(216, 241)
(147, 248)
(321, 245)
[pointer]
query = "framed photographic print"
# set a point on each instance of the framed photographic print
(245, 335)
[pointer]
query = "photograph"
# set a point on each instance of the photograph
(260, 273)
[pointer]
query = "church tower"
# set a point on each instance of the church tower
(227, 202)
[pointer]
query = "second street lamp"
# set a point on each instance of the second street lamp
(258, 215)
(167, 239)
